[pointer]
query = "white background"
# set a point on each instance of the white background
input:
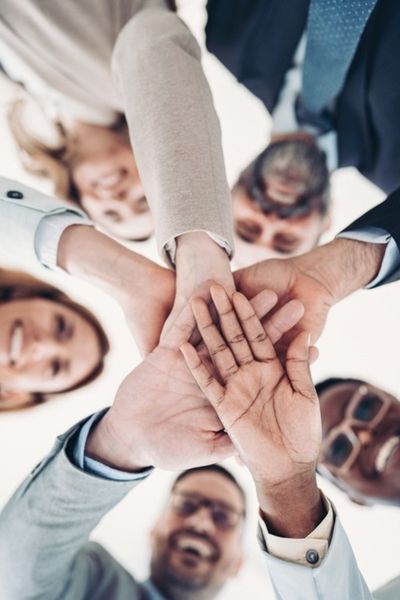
(360, 340)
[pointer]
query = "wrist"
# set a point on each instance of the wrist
(292, 508)
(199, 259)
(105, 443)
(343, 265)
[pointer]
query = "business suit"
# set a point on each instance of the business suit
(98, 59)
(45, 553)
(256, 41)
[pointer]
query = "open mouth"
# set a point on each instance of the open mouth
(16, 342)
(111, 180)
(385, 452)
(196, 547)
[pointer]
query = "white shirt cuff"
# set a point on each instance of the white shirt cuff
(376, 235)
(297, 550)
(49, 232)
(170, 245)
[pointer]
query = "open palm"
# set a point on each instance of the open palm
(270, 412)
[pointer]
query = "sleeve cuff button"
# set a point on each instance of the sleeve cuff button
(312, 557)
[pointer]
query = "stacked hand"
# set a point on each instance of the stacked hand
(270, 411)
(160, 416)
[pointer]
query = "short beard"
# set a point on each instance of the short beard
(176, 588)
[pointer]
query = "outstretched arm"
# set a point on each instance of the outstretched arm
(270, 411)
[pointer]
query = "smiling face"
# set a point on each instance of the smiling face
(45, 346)
(197, 542)
(361, 448)
(108, 182)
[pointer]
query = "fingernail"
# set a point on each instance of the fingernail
(308, 340)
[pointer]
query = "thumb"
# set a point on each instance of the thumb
(298, 366)
(179, 327)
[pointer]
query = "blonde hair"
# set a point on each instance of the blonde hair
(51, 161)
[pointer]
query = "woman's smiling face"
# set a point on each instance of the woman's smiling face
(45, 346)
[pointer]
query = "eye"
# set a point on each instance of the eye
(367, 408)
(222, 518)
(113, 215)
(285, 244)
(339, 451)
(63, 330)
(55, 367)
(248, 230)
(141, 206)
(187, 507)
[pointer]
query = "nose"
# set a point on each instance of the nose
(44, 347)
(201, 521)
(364, 436)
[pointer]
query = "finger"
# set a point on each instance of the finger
(298, 366)
(283, 320)
(230, 326)
(313, 354)
(180, 328)
(211, 388)
(263, 302)
(221, 355)
(259, 341)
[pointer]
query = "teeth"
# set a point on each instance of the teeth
(16, 340)
(195, 545)
(385, 453)
(109, 181)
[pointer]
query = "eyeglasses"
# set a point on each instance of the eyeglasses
(365, 410)
(224, 517)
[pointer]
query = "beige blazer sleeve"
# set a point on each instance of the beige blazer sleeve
(173, 125)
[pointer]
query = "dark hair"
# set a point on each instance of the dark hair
(16, 285)
(300, 149)
(214, 468)
(323, 385)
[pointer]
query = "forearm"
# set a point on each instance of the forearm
(343, 266)
(47, 522)
(293, 508)
(96, 258)
(173, 126)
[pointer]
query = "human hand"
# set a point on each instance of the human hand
(319, 279)
(270, 412)
(200, 262)
(144, 290)
(160, 417)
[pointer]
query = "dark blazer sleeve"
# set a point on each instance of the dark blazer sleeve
(386, 216)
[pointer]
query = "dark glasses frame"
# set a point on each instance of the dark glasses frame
(345, 427)
(199, 501)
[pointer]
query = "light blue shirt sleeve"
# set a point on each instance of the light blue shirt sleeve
(94, 467)
(376, 235)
